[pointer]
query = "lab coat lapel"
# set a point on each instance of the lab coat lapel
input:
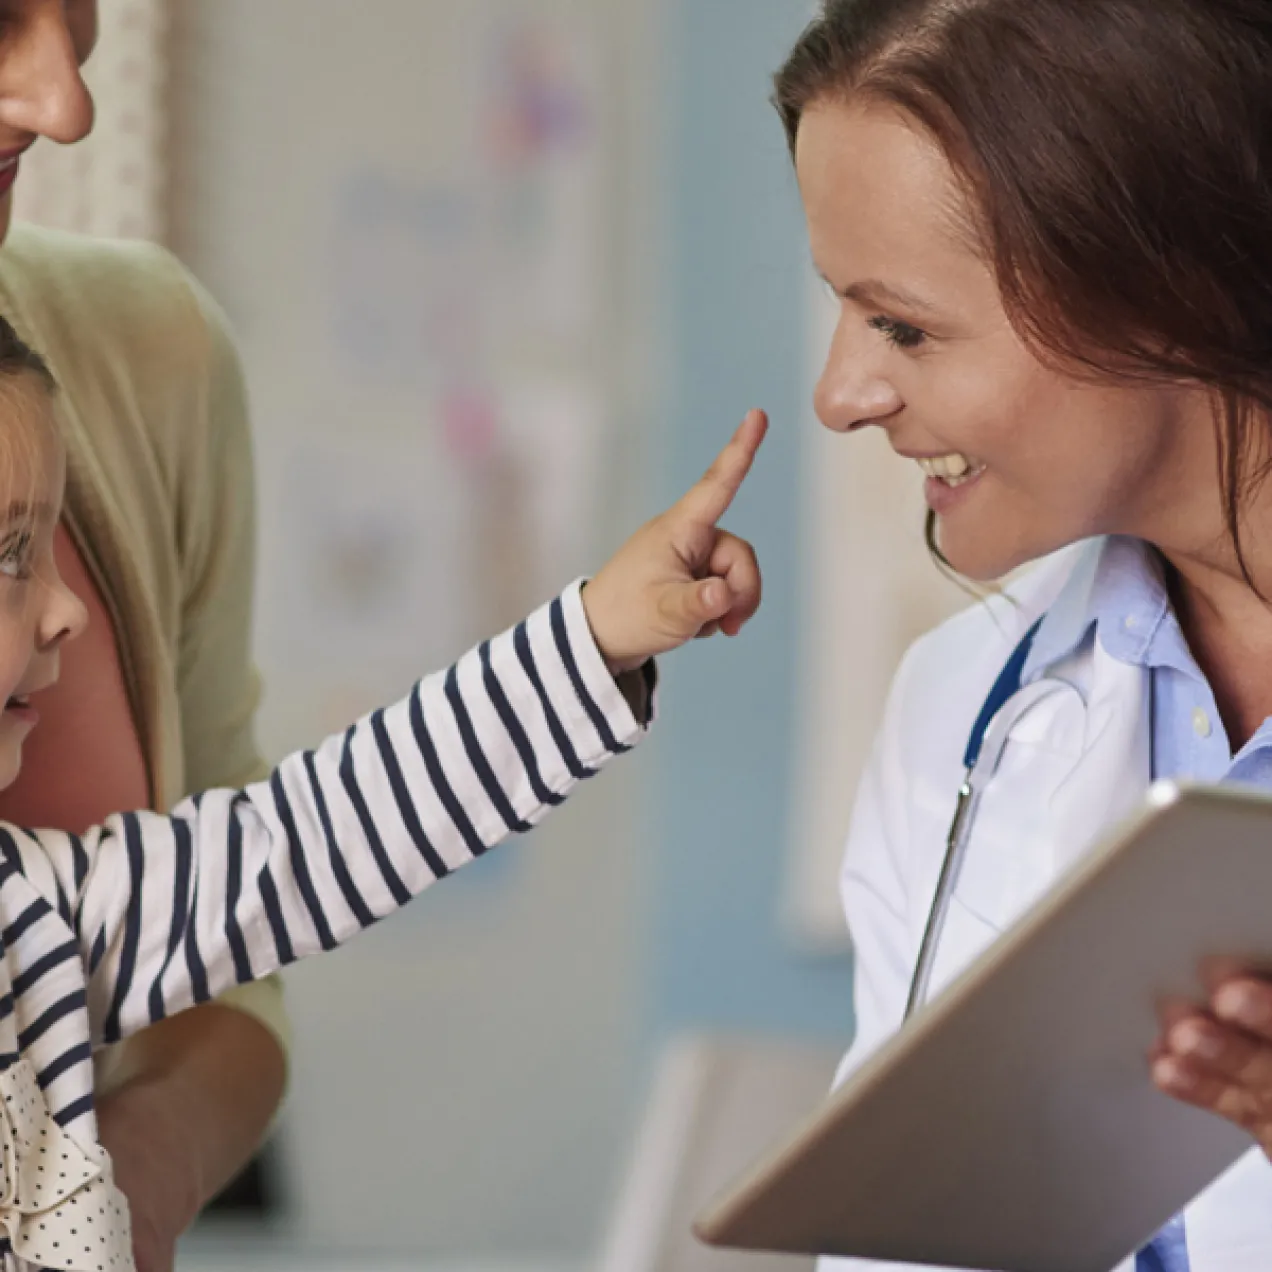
(1115, 768)
(1074, 763)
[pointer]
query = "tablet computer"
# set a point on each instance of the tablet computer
(1012, 1122)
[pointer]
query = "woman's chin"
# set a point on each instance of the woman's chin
(986, 561)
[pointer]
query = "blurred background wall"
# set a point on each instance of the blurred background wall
(505, 274)
(463, 1075)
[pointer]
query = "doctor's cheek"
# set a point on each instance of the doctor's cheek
(1221, 1059)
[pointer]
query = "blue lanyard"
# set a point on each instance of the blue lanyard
(1006, 686)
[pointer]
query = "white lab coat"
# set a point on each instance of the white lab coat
(1076, 760)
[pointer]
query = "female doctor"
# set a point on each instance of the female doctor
(1049, 227)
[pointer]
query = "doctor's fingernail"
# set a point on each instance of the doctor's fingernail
(1196, 1040)
(1170, 1075)
(1245, 1005)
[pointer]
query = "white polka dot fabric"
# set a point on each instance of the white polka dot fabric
(112, 184)
(58, 1205)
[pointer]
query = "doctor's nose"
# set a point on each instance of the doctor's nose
(853, 391)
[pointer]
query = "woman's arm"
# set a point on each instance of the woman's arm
(191, 1103)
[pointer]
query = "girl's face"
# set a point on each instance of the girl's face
(43, 44)
(38, 613)
(1021, 459)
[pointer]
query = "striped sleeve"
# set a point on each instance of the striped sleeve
(235, 884)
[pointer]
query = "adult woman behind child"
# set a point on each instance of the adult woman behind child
(158, 697)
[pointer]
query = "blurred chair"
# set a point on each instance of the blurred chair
(717, 1103)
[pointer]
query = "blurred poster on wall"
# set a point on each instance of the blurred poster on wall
(420, 218)
(441, 478)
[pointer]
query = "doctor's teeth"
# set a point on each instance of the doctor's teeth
(953, 469)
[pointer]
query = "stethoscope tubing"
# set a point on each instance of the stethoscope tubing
(1005, 687)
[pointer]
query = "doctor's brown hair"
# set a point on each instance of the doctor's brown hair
(1117, 157)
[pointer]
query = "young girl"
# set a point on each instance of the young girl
(106, 933)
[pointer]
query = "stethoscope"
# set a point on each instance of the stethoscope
(980, 765)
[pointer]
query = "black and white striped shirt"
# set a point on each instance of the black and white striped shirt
(106, 933)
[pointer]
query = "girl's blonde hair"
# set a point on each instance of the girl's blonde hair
(27, 421)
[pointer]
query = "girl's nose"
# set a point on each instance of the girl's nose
(65, 616)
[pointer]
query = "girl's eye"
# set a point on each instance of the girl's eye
(15, 556)
(901, 334)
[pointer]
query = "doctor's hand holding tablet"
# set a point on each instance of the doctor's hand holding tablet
(1220, 1056)
(1048, 228)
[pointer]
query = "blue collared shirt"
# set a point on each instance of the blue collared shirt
(1127, 608)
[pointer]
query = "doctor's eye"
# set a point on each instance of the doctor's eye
(901, 334)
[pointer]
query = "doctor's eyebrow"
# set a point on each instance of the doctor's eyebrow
(873, 292)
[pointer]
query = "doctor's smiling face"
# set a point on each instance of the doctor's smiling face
(1022, 455)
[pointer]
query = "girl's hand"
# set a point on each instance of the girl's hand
(680, 576)
(1221, 1059)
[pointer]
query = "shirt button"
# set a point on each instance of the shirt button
(1201, 722)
